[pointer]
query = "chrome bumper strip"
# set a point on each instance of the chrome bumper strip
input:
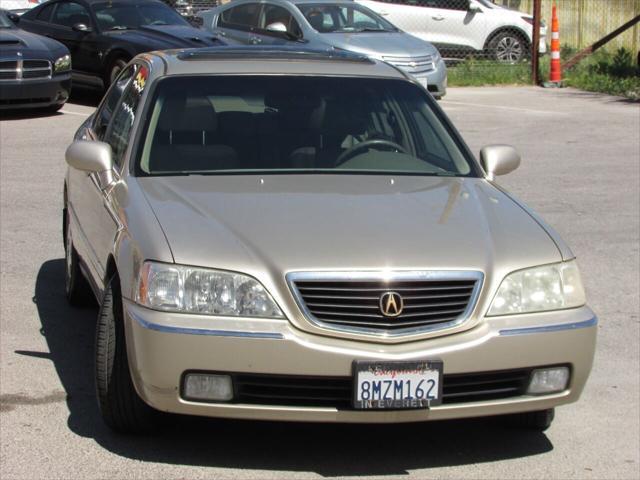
(550, 328)
(203, 331)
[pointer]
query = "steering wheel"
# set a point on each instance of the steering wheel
(374, 142)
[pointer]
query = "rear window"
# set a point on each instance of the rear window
(280, 124)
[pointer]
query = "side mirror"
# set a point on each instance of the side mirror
(14, 17)
(499, 160)
(92, 157)
(473, 8)
(82, 28)
(277, 27)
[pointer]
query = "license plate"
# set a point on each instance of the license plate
(422, 81)
(397, 385)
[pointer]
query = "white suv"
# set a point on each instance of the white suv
(460, 27)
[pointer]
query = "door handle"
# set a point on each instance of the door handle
(384, 14)
(438, 18)
(255, 40)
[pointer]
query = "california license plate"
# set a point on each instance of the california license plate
(397, 385)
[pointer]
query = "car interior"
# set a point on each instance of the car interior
(280, 129)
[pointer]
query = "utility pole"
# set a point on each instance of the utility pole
(535, 44)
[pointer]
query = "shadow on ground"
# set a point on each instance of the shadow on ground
(325, 449)
(88, 97)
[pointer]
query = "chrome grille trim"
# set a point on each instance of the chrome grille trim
(412, 65)
(19, 70)
(334, 306)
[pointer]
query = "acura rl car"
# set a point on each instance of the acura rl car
(295, 235)
(35, 71)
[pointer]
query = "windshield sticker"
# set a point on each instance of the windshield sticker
(141, 79)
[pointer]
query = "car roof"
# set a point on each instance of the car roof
(271, 60)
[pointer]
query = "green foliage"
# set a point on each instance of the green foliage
(475, 72)
(615, 74)
(612, 73)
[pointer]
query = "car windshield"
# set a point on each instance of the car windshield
(126, 16)
(336, 18)
(4, 21)
(296, 124)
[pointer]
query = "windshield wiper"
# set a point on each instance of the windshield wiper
(369, 29)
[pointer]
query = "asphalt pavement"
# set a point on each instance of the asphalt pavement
(580, 170)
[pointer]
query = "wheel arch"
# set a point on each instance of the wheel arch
(115, 52)
(507, 28)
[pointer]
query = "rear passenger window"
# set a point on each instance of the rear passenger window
(69, 14)
(44, 15)
(242, 17)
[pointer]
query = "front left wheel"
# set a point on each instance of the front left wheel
(121, 407)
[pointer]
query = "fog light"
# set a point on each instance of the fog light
(548, 380)
(207, 387)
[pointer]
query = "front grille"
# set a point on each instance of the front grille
(25, 69)
(36, 69)
(412, 65)
(9, 70)
(432, 300)
(337, 392)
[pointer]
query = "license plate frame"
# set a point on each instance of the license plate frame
(389, 371)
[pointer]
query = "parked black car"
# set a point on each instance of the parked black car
(103, 35)
(35, 71)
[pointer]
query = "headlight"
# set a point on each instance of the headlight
(63, 64)
(539, 289)
(175, 288)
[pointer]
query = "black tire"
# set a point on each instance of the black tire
(76, 286)
(54, 108)
(113, 70)
(539, 420)
(509, 47)
(121, 407)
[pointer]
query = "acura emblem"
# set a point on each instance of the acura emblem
(391, 304)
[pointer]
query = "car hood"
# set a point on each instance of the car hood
(30, 45)
(167, 37)
(376, 44)
(281, 223)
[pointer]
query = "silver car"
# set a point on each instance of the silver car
(298, 235)
(333, 24)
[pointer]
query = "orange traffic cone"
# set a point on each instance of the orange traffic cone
(556, 68)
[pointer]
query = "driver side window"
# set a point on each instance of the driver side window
(111, 101)
(276, 14)
(69, 14)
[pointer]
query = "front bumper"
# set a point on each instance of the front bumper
(437, 81)
(38, 93)
(162, 347)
